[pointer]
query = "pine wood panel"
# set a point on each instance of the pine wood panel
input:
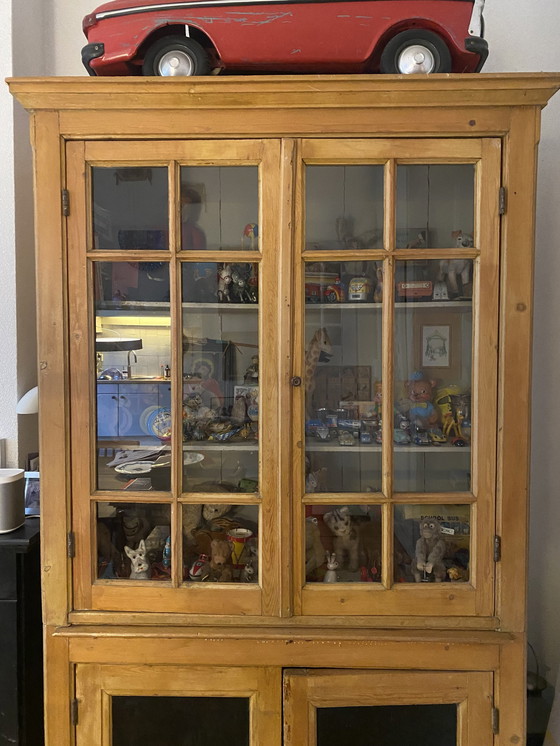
(357, 121)
(97, 684)
(306, 91)
(306, 691)
(516, 316)
(409, 652)
(53, 365)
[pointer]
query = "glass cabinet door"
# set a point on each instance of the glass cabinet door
(194, 706)
(326, 708)
(170, 497)
(396, 271)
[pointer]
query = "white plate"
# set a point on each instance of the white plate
(189, 457)
(135, 467)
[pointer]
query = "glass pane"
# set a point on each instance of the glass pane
(133, 541)
(184, 721)
(220, 208)
(433, 373)
(435, 206)
(343, 544)
(220, 543)
(344, 207)
(130, 208)
(387, 725)
(432, 543)
(221, 377)
(133, 351)
(342, 377)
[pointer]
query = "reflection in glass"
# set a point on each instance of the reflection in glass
(389, 725)
(133, 353)
(343, 544)
(133, 541)
(432, 543)
(219, 208)
(344, 207)
(220, 377)
(130, 208)
(342, 377)
(220, 543)
(188, 721)
(435, 206)
(433, 370)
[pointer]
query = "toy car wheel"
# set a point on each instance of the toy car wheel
(176, 56)
(416, 51)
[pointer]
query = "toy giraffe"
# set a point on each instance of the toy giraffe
(319, 350)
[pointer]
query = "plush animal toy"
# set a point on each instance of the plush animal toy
(332, 566)
(140, 569)
(419, 406)
(192, 515)
(430, 550)
(221, 570)
(346, 541)
(314, 549)
(455, 271)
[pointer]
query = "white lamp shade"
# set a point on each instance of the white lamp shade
(29, 402)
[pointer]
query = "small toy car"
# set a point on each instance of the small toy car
(334, 292)
(177, 38)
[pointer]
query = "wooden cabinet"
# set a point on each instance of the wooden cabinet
(335, 274)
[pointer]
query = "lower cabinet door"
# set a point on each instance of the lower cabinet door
(135, 705)
(361, 708)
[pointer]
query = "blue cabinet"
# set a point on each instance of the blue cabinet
(122, 407)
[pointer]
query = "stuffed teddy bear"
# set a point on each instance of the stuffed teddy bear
(221, 570)
(418, 406)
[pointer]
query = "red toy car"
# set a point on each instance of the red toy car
(170, 37)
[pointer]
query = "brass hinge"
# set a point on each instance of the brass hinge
(495, 721)
(497, 548)
(65, 203)
(74, 712)
(502, 201)
(71, 544)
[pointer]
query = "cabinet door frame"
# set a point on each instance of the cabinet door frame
(475, 598)
(306, 691)
(138, 596)
(96, 684)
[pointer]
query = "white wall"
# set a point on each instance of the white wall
(523, 36)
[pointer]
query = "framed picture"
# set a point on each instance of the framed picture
(443, 344)
(436, 346)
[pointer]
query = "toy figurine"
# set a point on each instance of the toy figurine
(224, 283)
(318, 351)
(140, 569)
(251, 231)
(332, 565)
(252, 372)
(240, 287)
(200, 568)
(430, 550)
(166, 561)
(419, 407)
